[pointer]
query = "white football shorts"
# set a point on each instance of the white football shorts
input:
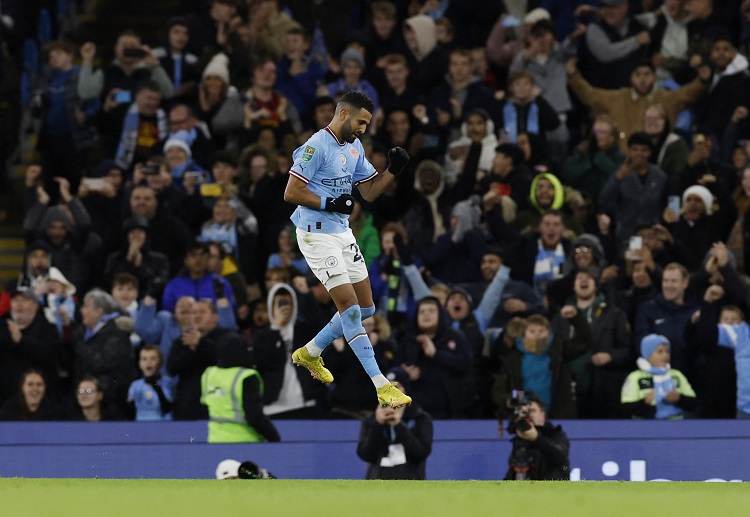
(334, 258)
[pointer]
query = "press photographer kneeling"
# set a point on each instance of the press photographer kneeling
(540, 450)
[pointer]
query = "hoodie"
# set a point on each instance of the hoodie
(426, 33)
(453, 167)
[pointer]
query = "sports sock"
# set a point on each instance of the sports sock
(333, 330)
(354, 332)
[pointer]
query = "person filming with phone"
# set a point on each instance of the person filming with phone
(540, 449)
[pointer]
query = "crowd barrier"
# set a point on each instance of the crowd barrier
(701, 450)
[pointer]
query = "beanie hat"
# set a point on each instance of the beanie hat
(56, 275)
(463, 292)
(703, 193)
(650, 342)
(352, 54)
(536, 15)
(179, 139)
(218, 67)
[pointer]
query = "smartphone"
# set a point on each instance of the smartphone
(134, 52)
(123, 96)
(511, 21)
(636, 242)
(673, 202)
(150, 170)
(94, 183)
(501, 188)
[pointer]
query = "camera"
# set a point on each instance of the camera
(519, 420)
(150, 170)
(134, 52)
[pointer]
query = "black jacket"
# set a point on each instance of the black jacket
(548, 455)
(13, 410)
(190, 365)
(39, 348)
(414, 433)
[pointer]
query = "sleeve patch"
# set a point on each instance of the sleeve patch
(307, 153)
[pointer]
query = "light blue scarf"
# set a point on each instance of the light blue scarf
(510, 119)
(663, 384)
(104, 319)
(129, 138)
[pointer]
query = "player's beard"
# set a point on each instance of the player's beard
(346, 132)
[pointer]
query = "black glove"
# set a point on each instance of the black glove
(404, 252)
(155, 287)
(397, 160)
(152, 380)
(218, 287)
(344, 204)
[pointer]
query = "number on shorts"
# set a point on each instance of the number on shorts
(355, 249)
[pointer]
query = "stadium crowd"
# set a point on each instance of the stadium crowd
(579, 182)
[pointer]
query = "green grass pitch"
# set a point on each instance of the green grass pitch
(332, 498)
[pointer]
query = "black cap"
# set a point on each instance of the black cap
(21, 290)
(135, 221)
(39, 245)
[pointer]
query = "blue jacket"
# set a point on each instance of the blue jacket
(183, 285)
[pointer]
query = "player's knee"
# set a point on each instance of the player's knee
(367, 312)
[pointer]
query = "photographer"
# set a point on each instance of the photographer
(540, 450)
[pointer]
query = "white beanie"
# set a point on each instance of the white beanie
(219, 67)
(56, 275)
(228, 469)
(703, 193)
(177, 140)
(535, 15)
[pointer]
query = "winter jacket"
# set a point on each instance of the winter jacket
(183, 285)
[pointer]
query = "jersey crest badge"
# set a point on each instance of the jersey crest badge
(342, 159)
(354, 152)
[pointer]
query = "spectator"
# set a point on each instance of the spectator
(103, 196)
(398, 93)
(670, 150)
(59, 303)
(523, 110)
(508, 36)
(700, 225)
(92, 404)
(537, 258)
(219, 104)
(546, 193)
(233, 392)
(67, 132)
(616, 42)
(473, 152)
(627, 105)
(599, 372)
(429, 210)
(288, 392)
(723, 334)
(144, 125)
(202, 146)
(102, 349)
(299, 73)
(288, 255)
(190, 355)
(352, 71)
(185, 173)
(635, 193)
(641, 291)
(455, 97)
(27, 341)
(437, 360)
(669, 315)
(137, 257)
(420, 37)
(365, 232)
(268, 27)
(456, 255)
(174, 58)
(538, 361)
(236, 227)
(66, 229)
(396, 442)
(728, 87)
(508, 177)
(150, 398)
(595, 159)
(173, 235)
(656, 390)
(739, 237)
(37, 261)
(670, 40)
(222, 263)
(32, 403)
(195, 279)
(267, 108)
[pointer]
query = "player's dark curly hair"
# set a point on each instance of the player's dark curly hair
(358, 101)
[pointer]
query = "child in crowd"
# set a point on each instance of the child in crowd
(150, 396)
(655, 390)
(734, 333)
(125, 292)
(60, 304)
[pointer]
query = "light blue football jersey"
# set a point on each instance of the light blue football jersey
(330, 169)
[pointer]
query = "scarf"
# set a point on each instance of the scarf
(221, 233)
(510, 118)
(104, 319)
(663, 384)
(129, 139)
(547, 266)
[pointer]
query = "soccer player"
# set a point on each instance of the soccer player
(320, 181)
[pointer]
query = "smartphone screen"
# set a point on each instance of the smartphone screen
(123, 96)
(673, 202)
(636, 242)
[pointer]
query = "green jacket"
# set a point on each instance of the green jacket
(368, 238)
(588, 173)
(221, 391)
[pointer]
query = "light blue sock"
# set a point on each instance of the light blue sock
(334, 329)
(354, 332)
